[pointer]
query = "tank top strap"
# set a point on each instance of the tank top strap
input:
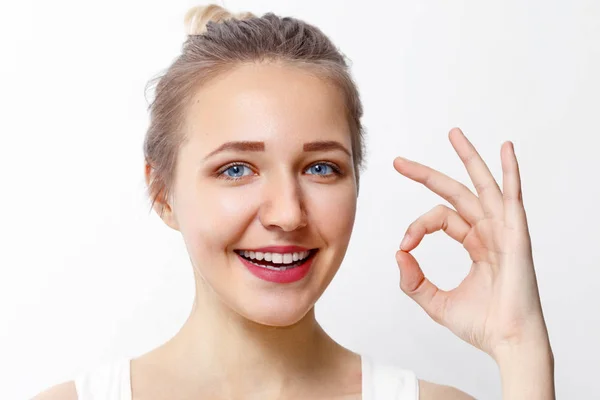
(387, 382)
(112, 381)
(108, 381)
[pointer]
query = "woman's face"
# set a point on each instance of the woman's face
(268, 169)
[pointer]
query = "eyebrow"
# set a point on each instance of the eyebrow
(321, 145)
(326, 145)
(237, 146)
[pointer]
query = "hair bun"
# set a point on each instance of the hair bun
(198, 17)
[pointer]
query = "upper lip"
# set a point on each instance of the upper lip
(279, 249)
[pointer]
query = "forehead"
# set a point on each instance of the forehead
(273, 103)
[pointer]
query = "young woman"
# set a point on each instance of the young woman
(253, 154)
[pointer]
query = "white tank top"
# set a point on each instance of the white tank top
(379, 382)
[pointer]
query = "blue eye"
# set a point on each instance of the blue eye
(236, 171)
(322, 169)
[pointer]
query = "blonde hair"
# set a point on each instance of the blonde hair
(218, 41)
(196, 18)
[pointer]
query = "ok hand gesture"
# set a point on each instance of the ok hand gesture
(497, 305)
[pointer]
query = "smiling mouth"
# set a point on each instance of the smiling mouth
(277, 261)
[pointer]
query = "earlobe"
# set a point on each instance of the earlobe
(160, 205)
(166, 213)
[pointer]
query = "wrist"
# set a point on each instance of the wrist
(526, 371)
(532, 354)
(535, 347)
(532, 337)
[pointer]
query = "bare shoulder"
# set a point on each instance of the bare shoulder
(430, 390)
(63, 391)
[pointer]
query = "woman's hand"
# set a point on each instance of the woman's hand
(497, 305)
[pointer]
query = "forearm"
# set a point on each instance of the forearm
(527, 372)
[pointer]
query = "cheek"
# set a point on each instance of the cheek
(215, 218)
(332, 210)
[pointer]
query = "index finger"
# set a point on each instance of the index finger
(464, 201)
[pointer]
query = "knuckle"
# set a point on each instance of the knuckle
(403, 288)
(452, 198)
(488, 214)
(429, 181)
(441, 209)
(469, 157)
(518, 197)
(444, 226)
(482, 187)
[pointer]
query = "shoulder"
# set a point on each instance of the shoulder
(63, 391)
(430, 390)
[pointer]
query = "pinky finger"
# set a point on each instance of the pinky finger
(514, 211)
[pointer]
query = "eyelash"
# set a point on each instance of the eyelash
(336, 170)
(221, 172)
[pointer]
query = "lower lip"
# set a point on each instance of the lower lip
(287, 276)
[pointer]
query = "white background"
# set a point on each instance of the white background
(87, 274)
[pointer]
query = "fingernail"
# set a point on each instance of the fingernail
(405, 241)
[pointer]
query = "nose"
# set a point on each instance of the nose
(283, 206)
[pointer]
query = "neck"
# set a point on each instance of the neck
(217, 347)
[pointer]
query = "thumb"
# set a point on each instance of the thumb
(416, 286)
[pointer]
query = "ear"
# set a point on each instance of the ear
(161, 205)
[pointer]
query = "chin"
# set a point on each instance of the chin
(281, 314)
(271, 303)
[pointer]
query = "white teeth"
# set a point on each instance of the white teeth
(274, 268)
(277, 258)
